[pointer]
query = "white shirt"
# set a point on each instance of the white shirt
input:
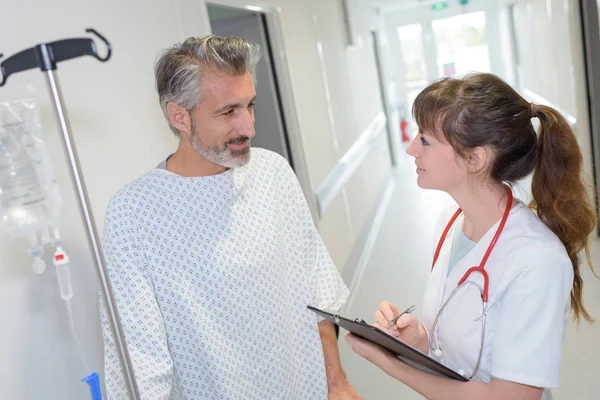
(530, 280)
(212, 276)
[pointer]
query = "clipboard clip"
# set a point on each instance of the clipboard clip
(336, 317)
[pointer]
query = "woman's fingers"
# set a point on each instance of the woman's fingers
(389, 310)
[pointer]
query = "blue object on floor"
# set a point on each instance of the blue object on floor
(93, 380)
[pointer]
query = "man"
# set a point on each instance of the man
(213, 256)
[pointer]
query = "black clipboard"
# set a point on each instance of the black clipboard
(404, 352)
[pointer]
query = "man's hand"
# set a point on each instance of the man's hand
(343, 391)
(338, 386)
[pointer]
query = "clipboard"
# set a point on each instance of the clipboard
(405, 353)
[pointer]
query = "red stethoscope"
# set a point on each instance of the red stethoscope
(480, 269)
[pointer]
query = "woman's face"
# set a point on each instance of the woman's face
(439, 167)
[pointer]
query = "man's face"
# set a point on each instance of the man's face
(223, 122)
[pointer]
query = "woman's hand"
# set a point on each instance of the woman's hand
(406, 329)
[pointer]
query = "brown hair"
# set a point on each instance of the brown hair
(483, 110)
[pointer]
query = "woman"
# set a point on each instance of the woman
(502, 324)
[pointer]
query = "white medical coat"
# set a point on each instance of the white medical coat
(530, 280)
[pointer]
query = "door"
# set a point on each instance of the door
(270, 125)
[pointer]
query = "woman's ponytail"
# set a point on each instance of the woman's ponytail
(560, 195)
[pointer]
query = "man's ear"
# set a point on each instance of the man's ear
(477, 159)
(179, 118)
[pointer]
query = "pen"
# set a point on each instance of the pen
(407, 311)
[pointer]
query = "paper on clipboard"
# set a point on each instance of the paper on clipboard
(404, 352)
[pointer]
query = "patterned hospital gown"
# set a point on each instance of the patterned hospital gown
(212, 276)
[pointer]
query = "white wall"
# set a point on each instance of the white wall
(353, 90)
(543, 27)
(551, 61)
(120, 134)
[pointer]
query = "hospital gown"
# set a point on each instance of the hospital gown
(212, 276)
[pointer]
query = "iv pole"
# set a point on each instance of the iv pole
(46, 56)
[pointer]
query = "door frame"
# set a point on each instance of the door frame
(590, 28)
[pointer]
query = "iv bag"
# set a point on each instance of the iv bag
(29, 195)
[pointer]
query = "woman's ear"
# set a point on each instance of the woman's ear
(478, 159)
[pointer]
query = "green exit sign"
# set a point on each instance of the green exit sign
(439, 6)
(442, 5)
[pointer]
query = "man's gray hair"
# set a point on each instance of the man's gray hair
(179, 70)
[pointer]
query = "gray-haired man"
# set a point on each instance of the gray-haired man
(213, 255)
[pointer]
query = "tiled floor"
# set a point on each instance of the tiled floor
(398, 270)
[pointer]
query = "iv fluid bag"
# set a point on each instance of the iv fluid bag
(29, 195)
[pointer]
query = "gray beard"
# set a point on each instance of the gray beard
(221, 156)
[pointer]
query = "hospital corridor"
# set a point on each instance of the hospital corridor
(180, 179)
